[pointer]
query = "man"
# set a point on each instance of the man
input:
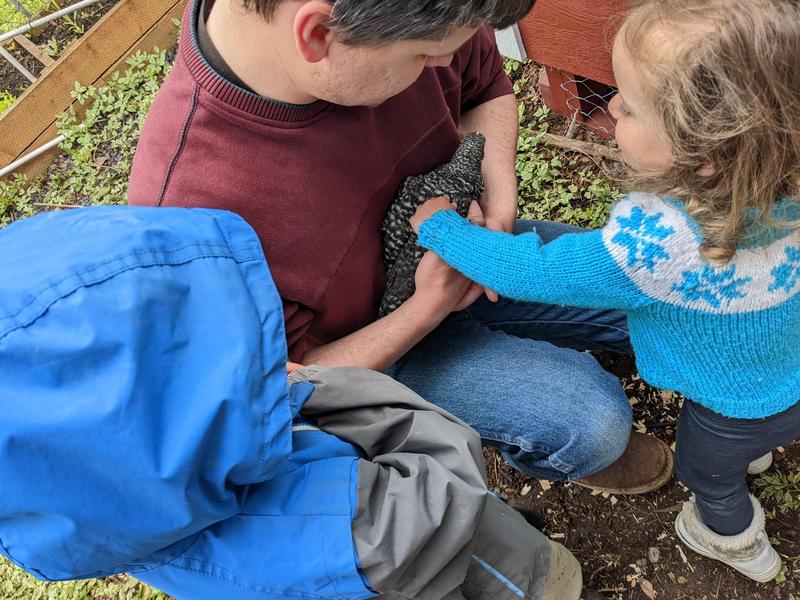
(304, 116)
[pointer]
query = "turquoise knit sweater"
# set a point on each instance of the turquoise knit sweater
(727, 337)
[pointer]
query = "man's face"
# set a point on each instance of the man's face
(368, 75)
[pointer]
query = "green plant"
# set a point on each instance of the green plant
(11, 18)
(73, 21)
(15, 584)
(6, 100)
(782, 488)
(52, 49)
(98, 145)
(554, 185)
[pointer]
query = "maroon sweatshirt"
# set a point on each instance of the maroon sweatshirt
(314, 181)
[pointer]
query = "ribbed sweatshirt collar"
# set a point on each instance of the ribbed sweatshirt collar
(229, 93)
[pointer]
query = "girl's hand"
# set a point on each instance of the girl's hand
(428, 209)
(292, 367)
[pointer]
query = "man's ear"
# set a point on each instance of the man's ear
(312, 34)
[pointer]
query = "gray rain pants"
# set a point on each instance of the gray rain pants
(425, 526)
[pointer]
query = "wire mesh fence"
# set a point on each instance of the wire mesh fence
(587, 102)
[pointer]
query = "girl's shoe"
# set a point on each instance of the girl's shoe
(760, 465)
(748, 552)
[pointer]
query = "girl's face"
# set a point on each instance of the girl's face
(639, 133)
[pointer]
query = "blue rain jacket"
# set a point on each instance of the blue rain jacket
(147, 425)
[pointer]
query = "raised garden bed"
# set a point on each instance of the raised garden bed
(41, 47)
(125, 27)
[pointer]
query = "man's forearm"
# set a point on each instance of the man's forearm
(380, 344)
(497, 120)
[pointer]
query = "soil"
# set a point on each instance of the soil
(15, 82)
(626, 544)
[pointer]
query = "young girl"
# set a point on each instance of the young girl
(705, 260)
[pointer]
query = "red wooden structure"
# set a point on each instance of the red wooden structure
(573, 39)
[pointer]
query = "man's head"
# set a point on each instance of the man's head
(362, 52)
(378, 22)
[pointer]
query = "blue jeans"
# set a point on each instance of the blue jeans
(517, 372)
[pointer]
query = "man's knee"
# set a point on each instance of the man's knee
(601, 430)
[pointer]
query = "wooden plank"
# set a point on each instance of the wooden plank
(163, 34)
(33, 50)
(574, 35)
(86, 60)
(16, 64)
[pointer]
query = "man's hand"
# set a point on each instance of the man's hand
(440, 291)
(498, 121)
(443, 288)
(475, 215)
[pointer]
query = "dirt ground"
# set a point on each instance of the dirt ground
(626, 544)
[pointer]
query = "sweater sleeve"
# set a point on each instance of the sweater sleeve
(575, 269)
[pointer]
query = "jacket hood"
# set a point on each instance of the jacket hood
(143, 383)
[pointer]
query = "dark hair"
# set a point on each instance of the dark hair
(374, 22)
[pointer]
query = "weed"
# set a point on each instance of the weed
(6, 100)
(11, 18)
(52, 49)
(554, 185)
(15, 584)
(98, 145)
(783, 488)
(72, 20)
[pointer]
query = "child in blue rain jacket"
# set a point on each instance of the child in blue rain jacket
(148, 426)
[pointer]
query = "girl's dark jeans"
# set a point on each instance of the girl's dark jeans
(712, 454)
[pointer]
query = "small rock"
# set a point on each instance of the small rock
(653, 554)
(526, 489)
(545, 484)
(647, 589)
(682, 580)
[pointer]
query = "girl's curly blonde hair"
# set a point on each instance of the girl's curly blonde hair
(724, 78)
